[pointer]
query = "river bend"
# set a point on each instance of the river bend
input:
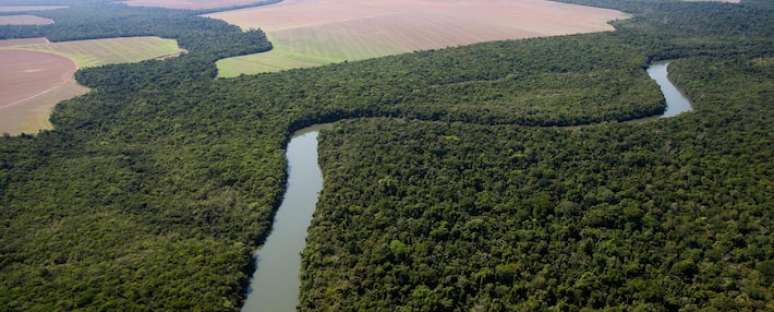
(275, 285)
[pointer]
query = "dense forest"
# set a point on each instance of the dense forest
(152, 190)
(672, 214)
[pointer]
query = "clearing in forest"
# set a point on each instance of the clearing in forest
(89, 53)
(24, 20)
(38, 74)
(316, 32)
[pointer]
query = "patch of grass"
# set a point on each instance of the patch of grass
(33, 115)
(300, 49)
(763, 61)
(278, 59)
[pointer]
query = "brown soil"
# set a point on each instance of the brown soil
(21, 42)
(31, 85)
(24, 20)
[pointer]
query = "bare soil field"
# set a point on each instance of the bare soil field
(25, 8)
(24, 20)
(38, 74)
(316, 32)
(89, 53)
(31, 84)
(22, 42)
(190, 4)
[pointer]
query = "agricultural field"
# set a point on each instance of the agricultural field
(311, 33)
(22, 42)
(24, 20)
(41, 73)
(90, 53)
(25, 8)
(191, 4)
(498, 176)
(31, 84)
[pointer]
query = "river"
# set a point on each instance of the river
(677, 102)
(275, 284)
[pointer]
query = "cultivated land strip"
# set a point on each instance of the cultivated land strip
(28, 96)
(198, 4)
(24, 19)
(349, 31)
(97, 52)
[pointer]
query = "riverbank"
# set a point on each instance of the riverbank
(275, 284)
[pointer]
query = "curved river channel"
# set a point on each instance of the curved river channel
(275, 284)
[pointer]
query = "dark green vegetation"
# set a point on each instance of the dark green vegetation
(153, 189)
(666, 215)
(676, 28)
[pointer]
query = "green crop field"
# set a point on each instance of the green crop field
(26, 100)
(91, 53)
(278, 59)
(291, 52)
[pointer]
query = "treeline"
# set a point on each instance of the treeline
(661, 216)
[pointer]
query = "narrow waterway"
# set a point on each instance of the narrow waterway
(677, 102)
(275, 284)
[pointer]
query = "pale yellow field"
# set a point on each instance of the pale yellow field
(317, 32)
(38, 74)
(90, 53)
(21, 42)
(24, 8)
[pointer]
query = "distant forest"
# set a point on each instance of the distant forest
(466, 191)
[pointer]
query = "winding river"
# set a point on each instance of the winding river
(677, 102)
(275, 284)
